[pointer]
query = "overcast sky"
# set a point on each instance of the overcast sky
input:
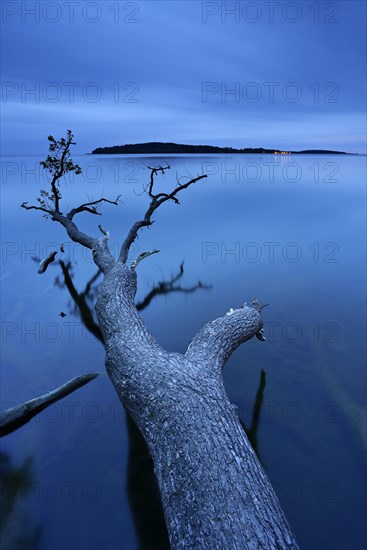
(289, 75)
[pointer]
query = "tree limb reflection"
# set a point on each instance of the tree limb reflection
(252, 430)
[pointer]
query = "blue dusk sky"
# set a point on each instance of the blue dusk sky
(288, 75)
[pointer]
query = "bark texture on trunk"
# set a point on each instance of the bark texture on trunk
(214, 491)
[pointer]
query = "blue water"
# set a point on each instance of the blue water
(288, 230)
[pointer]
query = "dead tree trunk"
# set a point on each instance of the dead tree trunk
(214, 491)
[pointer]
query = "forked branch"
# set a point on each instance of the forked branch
(58, 163)
(156, 201)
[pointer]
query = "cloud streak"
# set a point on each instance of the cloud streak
(231, 73)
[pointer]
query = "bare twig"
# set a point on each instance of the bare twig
(141, 257)
(257, 305)
(43, 209)
(103, 231)
(153, 172)
(91, 207)
(46, 262)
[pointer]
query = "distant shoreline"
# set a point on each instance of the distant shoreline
(152, 148)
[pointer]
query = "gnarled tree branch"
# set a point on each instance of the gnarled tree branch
(74, 233)
(156, 201)
(59, 165)
(215, 342)
(90, 207)
(32, 207)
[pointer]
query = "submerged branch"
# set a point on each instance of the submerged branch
(14, 418)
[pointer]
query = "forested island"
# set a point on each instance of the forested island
(156, 147)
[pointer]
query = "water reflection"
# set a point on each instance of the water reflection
(18, 532)
(143, 493)
(251, 431)
(166, 287)
(82, 302)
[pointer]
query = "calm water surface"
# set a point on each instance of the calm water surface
(286, 230)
